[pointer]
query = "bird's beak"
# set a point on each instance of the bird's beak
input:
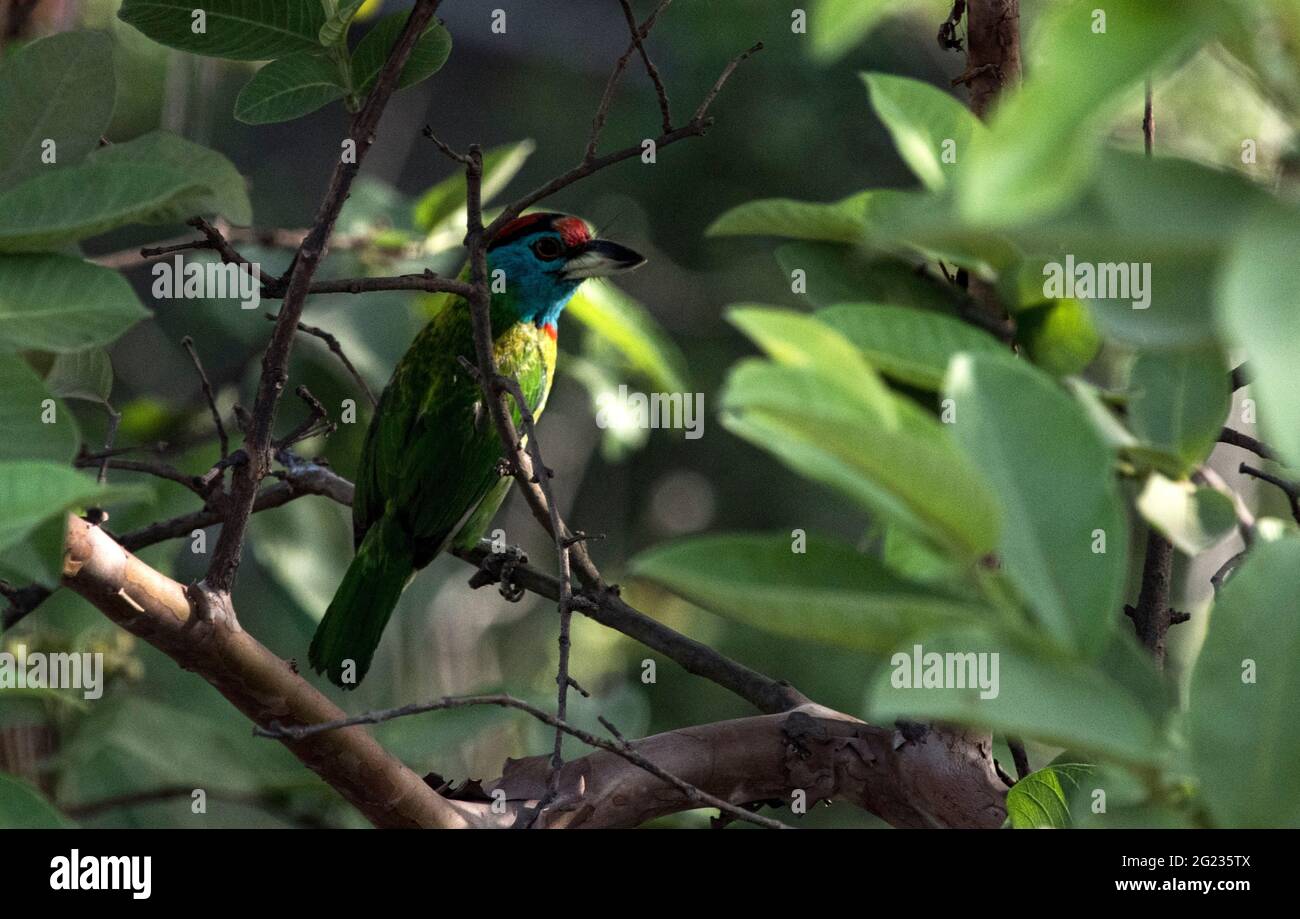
(600, 258)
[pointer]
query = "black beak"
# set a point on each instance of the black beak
(600, 258)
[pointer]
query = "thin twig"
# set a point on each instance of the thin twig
(1019, 756)
(1148, 122)
(447, 151)
(727, 71)
(156, 469)
(626, 751)
(607, 97)
(661, 93)
(698, 125)
(1246, 442)
(1289, 488)
(333, 344)
(110, 435)
(188, 344)
(427, 282)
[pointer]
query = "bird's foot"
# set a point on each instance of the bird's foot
(499, 568)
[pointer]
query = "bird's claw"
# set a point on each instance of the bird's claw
(498, 568)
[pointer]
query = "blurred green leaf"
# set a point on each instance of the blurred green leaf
(922, 119)
(1193, 519)
(806, 343)
(841, 221)
(59, 89)
(1043, 141)
(1052, 474)
(1179, 400)
(908, 556)
(34, 493)
(446, 200)
(1244, 736)
(1040, 800)
(22, 806)
(627, 327)
(1058, 336)
(912, 346)
(289, 88)
(1257, 310)
(841, 273)
(23, 414)
(828, 593)
(1039, 695)
(835, 26)
(62, 304)
(84, 375)
(427, 57)
(241, 30)
(895, 461)
(135, 744)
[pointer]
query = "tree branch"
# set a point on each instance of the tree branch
(208, 640)
(257, 442)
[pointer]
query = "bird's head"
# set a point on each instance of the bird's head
(544, 257)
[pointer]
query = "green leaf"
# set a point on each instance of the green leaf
(157, 178)
(1257, 310)
(893, 459)
(922, 119)
(1058, 336)
(57, 208)
(827, 593)
(22, 806)
(841, 221)
(1040, 800)
(36, 425)
(628, 328)
(842, 273)
(440, 204)
(32, 493)
(335, 30)
(1193, 519)
(912, 346)
(1176, 221)
(59, 303)
(1179, 401)
(1243, 731)
(241, 30)
(1052, 474)
(289, 88)
(226, 191)
(427, 57)
(837, 25)
(1043, 141)
(804, 342)
(84, 375)
(56, 89)
(1038, 695)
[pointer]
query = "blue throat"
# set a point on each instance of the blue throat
(535, 292)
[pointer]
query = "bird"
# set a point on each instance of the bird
(430, 476)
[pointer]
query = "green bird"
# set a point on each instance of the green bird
(429, 474)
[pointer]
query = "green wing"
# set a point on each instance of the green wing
(431, 453)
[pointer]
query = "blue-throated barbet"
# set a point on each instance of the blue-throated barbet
(429, 475)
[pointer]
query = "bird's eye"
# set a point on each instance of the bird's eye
(548, 247)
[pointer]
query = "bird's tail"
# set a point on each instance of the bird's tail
(346, 638)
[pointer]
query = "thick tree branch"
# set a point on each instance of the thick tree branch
(208, 640)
